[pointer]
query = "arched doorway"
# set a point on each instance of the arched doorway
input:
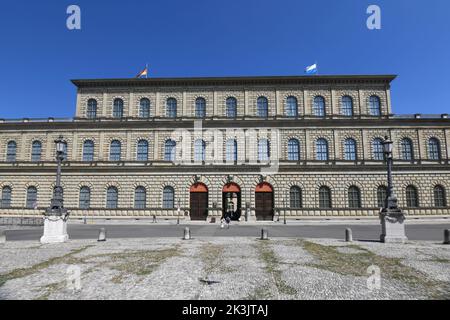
(231, 200)
(264, 201)
(199, 201)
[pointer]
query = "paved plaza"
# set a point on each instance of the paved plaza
(224, 268)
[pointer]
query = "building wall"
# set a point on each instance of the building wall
(154, 174)
(247, 144)
(309, 182)
(246, 98)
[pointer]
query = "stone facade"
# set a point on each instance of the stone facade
(425, 169)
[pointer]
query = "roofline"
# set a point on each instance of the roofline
(240, 80)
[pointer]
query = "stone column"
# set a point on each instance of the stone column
(184, 111)
(215, 104)
(246, 106)
(333, 102)
(131, 105)
(105, 105)
(157, 105)
(279, 104)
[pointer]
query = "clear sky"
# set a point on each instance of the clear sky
(181, 38)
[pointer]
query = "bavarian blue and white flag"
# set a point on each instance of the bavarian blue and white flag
(311, 69)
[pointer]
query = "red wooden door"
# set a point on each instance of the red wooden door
(199, 205)
(264, 205)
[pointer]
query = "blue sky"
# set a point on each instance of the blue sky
(180, 38)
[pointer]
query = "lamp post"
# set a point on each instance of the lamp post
(392, 218)
(178, 212)
(55, 224)
(284, 209)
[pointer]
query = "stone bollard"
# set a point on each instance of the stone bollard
(187, 234)
(447, 236)
(2, 236)
(102, 234)
(348, 235)
(264, 234)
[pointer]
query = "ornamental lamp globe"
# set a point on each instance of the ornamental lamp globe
(59, 145)
(388, 146)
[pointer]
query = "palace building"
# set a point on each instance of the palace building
(257, 147)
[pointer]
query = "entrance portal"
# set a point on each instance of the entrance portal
(231, 200)
(199, 201)
(264, 201)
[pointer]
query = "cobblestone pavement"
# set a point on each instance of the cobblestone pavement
(224, 268)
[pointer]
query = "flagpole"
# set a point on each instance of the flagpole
(146, 68)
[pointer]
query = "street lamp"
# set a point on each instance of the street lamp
(178, 212)
(55, 224)
(391, 216)
(284, 209)
(388, 146)
(56, 204)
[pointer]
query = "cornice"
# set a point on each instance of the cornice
(234, 81)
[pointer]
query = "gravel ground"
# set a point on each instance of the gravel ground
(224, 268)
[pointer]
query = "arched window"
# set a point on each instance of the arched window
(354, 197)
(434, 149)
(88, 150)
(118, 108)
(291, 107)
(374, 106)
(200, 108)
(293, 150)
(169, 150)
(11, 151)
(91, 111)
(377, 149)
(262, 107)
(406, 149)
(325, 198)
(231, 150)
(140, 197)
(171, 108)
(85, 198)
(115, 150)
(263, 150)
(199, 150)
(142, 150)
(347, 106)
(36, 150)
(350, 149)
(6, 197)
(295, 194)
(31, 197)
(412, 197)
(322, 149)
(231, 107)
(112, 198)
(144, 108)
(319, 106)
(440, 196)
(168, 198)
(382, 196)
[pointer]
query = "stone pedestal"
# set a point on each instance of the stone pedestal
(55, 229)
(392, 226)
